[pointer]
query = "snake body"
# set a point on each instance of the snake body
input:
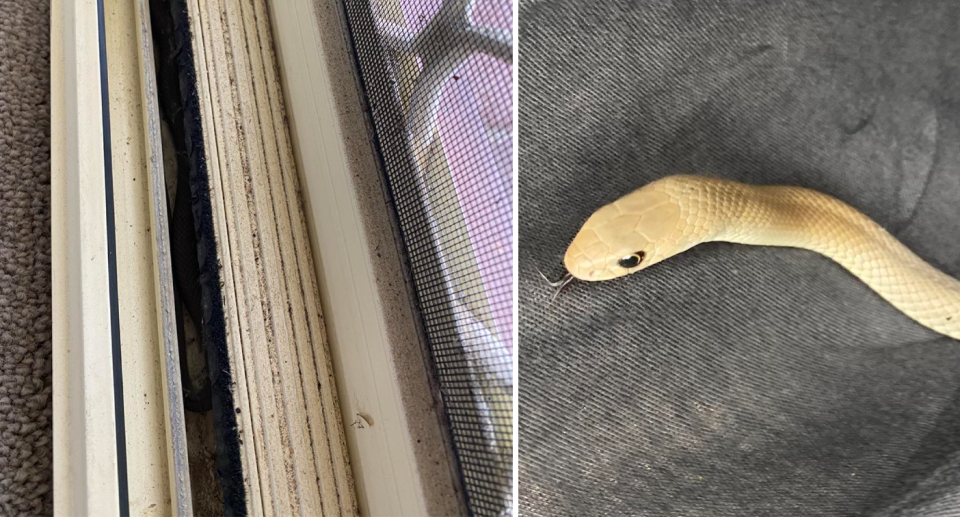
(673, 214)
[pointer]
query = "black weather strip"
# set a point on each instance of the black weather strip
(121, 433)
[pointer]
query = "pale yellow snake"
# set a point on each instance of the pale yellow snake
(671, 215)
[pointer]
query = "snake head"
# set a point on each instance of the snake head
(626, 236)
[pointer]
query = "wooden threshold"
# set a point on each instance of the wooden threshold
(289, 441)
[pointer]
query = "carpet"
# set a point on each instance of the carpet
(26, 451)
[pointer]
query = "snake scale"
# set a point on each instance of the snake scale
(673, 214)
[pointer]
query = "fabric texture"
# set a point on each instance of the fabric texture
(26, 455)
(736, 380)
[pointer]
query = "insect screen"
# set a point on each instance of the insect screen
(437, 75)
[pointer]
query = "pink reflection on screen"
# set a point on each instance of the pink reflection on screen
(417, 13)
(486, 13)
(493, 13)
(474, 123)
(475, 127)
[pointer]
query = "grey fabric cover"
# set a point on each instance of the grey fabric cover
(735, 380)
(26, 451)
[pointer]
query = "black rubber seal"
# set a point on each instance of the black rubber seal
(121, 432)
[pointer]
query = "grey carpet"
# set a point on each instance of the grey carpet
(736, 380)
(26, 454)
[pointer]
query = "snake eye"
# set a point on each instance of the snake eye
(631, 261)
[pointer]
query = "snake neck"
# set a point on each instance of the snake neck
(802, 218)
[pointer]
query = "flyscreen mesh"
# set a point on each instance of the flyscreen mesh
(437, 76)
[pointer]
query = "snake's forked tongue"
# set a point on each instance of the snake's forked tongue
(558, 285)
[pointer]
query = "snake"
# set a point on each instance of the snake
(668, 216)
